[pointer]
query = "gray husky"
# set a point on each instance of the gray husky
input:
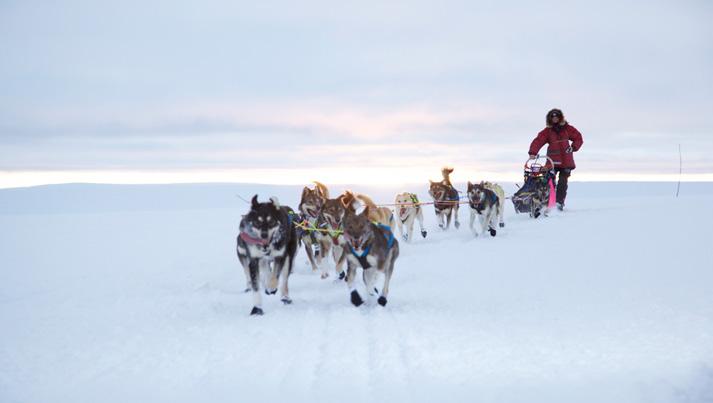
(266, 247)
(374, 248)
(485, 204)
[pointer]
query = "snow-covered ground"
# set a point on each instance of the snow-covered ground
(134, 293)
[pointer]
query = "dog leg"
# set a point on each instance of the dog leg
(388, 271)
(482, 220)
(455, 212)
(501, 212)
(448, 218)
(472, 220)
(351, 274)
(246, 270)
(370, 281)
(270, 276)
(284, 276)
(419, 217)
(492, 218)
(310, 254)
(341, 274)
(401, 225)
(255, 286)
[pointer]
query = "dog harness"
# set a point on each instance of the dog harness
(452, 198)
(479, 206)
(388, 234)
(252, 240)
(415, 204)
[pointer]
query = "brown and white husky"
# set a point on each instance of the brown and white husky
(446, 199)
(331, 223)
(310, 207)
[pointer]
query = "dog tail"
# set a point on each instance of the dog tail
(446, 172)
(322, 189)
(366, 200)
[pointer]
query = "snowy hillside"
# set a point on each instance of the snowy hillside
(134, 293)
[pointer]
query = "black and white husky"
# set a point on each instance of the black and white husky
(372, 247)
(408, 211)
(485, 204)
(267, 244)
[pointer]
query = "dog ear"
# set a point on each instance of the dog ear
(275, 202)
(343, 201)
(305, 191)
(431, 182)
(255, 202)
(470, 185)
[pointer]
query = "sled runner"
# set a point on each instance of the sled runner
(536, 195)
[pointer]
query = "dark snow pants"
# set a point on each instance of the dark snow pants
(562, 176)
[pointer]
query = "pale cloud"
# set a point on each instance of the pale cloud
(269, 85)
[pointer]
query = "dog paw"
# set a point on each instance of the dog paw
(270, 292)
(356, 298)
(502, 225)
(286, 300)
(405, 237)
(424, 233)
(256, 311)
(247, 289)
(441, 226)
(457, 224)
(324, 275)
(492, 231)
(382, 300)
(342, 275)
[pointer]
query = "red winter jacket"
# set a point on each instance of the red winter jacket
(558, 144)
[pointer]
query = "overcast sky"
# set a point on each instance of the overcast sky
(316, 86)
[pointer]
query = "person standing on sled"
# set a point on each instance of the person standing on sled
(563, 140)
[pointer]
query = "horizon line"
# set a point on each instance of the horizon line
(295, 177)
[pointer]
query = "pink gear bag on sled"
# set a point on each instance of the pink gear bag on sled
(553, 195)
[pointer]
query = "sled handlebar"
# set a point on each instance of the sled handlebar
(533, 165)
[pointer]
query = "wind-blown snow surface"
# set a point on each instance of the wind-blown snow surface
(134, 293)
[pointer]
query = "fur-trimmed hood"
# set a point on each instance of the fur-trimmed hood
(548, 118)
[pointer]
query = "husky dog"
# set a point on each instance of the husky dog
(484, 203)
(310, 206)
(374, 248)
(445, 198)
(267, 236)
(331, 219)
(409, 210)
(501, 197)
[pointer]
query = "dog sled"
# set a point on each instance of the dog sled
(537, 194)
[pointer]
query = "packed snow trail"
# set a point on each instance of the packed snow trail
(142, 300)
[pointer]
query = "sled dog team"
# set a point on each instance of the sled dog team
(352, 228)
